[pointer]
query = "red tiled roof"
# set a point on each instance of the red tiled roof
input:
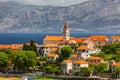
(112, 60)
(78, 40)
(50, 45)
(54, 49)
(67, 61)
(98, 37)
(80, 62)
(83, 48)
(74, 55)
(11, 46)
(53, 38)
(94, 58)
(115, 37)
(116, 64)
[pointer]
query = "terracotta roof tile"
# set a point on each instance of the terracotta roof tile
(94, 58)
(74, 55)
(94, 48)
(98, 37)
(53, 38)
(67, 61)
(78, 40)
(116, 64)
(83, 48)
(11, 46)
(72, 42)
(54, 49)
(80, 62)
(50, 45)
(115, 37)
(112, 60)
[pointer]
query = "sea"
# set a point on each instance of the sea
(19, 38)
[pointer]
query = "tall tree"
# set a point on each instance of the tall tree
(117, 57)
(66, 52)
(19, 62)
(25, 59)
(101, 68)
(85, 71)
(12, 54)
(30, 58)
(52, 68)
(4, 58)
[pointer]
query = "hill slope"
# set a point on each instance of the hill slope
(90, 16)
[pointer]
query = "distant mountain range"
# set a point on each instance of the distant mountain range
(90, 16)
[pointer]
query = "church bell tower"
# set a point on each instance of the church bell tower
(66, 32)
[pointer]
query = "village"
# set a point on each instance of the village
(67, 55)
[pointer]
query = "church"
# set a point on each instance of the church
(58, 39)
(53, 43)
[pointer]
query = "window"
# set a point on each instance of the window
(95, 60)
(74, 68)
(86, 51)
(91, 60)
(74, 65)
(99, 42)
(70, 71)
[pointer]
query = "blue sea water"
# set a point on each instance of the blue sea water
(18, 38)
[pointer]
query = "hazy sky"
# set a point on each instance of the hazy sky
(52, 2)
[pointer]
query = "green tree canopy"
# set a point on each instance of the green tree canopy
(117, 57)
(111, 48)
(85, 71)
(66, 52)
(118, 68)
(101, 68)
(52, 68)
(42, 58)
(19, 62)
(4, 58)
(106, 57)
(25, 59)
(31, 46)
(12, 54)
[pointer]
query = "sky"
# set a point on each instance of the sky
(52, 2)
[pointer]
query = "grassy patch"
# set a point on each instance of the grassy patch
(9, 78)
(46, 79)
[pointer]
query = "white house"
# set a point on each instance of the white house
(48, 48)
(78, 64)
(115, 39)
(52, 57)
(87, 53)
(66, 66)
(82, 49)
